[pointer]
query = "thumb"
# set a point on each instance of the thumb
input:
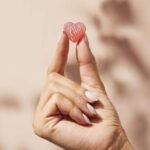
(87, 65)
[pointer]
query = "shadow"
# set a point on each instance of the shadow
(9, 102)
(35, 101)
(118, 14)
(121, 88)
(105, 67)
(22, 148)
(98, 105)
(96, 119)
(119, 10)
(141, 130)
(124, 49)
(1, 147)
(96, 21)
(72, 72)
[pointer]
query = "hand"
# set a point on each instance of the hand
(74, 116)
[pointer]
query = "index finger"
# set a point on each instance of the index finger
(60, 57)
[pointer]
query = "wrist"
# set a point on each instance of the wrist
(122, 142)
(126, 145)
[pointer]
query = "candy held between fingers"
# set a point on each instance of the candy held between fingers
(74, 31)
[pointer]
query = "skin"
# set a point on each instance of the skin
(59, 114)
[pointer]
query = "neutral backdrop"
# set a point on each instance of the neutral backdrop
(119, 36)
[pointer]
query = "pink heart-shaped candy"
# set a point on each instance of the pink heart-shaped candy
(74, 31)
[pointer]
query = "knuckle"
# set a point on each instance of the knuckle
(56, 96)
(82, 104)
(81, 101)
(41, 129)
(73, 111)
(52, 76)
(52, 84)
(37, 128)
(81, 91)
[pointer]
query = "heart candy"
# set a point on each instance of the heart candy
(74, 31)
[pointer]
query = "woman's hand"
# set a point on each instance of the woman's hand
(73, 116)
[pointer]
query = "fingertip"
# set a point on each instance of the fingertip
(83, 51)
(63, 44)
(84, 42)
(63, 39)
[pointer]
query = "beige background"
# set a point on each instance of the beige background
(119, 35)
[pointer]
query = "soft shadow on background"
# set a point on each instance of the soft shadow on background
(119, 35)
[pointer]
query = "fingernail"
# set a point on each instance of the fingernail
(92, 96)
(86, 119)
(91, 109)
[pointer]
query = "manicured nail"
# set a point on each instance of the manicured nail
(86, 119)
(92, 96)
(91, 109)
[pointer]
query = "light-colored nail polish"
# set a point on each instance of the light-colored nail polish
(86, 119)
(91, 109)
(92, 96)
